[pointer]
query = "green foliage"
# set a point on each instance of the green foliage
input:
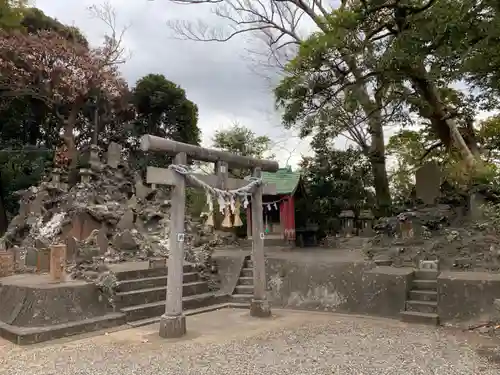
(488, 134)
(34, 20)
(335, 180)
(240, 140)
(20, 168)
(408, 149)
(163, 110)
(12, 13)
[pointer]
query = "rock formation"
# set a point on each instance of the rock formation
(444, 232)
(108, 216)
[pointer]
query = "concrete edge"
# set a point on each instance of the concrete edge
(33, 335)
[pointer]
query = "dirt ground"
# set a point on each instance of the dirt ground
(231, 342)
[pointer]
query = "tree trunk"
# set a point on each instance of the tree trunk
(3, 210)
(69, 137)
(376, 155)
(445, 128)
(376, 152)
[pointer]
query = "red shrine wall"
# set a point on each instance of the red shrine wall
(286, 227)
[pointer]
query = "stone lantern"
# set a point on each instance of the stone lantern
(347, 222)
(56, 176)
(86, 175)
(366, 220)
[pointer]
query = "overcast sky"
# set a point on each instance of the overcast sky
(216, 76)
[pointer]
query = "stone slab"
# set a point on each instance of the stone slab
(34, 335)
(428, 182)
(43, 260)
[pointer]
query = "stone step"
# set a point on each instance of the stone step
(425, 285)
(246, 272)
(243, 289)
(241, 298)
(142, 296)
(420, 318)
(426, 274)
(423, 295)
(33, 335)
(152, 282)
(248, 263)
(239, 305)
(245, 281)
(156, 319)
(149, 310)
(147, 272)
(421, 306)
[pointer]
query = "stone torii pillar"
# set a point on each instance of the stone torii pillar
(173, 322)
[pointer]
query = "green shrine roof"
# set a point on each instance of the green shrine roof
(285, 179)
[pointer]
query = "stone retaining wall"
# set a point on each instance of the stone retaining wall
(338, 287)
(361, 288)
(28, 304)
(468, 296)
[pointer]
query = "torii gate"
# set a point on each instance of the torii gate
(173, 322)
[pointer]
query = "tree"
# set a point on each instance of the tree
(162, 109)
(410, 149)
(242, 141)
(12, 13)
(34, 20)
(278, 23)
(424, 48)
(335, 180)
(62, 74)
(35, 109)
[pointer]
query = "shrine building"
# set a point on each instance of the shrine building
(279, 210)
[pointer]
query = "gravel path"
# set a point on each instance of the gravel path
(230, 342)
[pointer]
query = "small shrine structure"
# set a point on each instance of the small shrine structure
(279, 209)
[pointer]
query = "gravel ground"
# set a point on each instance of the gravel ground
(230, 342)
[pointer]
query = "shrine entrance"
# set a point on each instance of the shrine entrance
(229, 193)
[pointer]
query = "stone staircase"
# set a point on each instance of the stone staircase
(421, 305)
(141, 294)
(243, 293)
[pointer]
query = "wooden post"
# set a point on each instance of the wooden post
(259, 306)
(57, 262)
(173, 322)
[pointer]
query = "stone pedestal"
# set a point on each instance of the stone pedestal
(172, 327)
(260, 308)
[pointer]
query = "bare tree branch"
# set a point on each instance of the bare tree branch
(113, 49)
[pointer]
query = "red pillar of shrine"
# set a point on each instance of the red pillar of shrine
(249, 221)
(283, 220)
(291, 217)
